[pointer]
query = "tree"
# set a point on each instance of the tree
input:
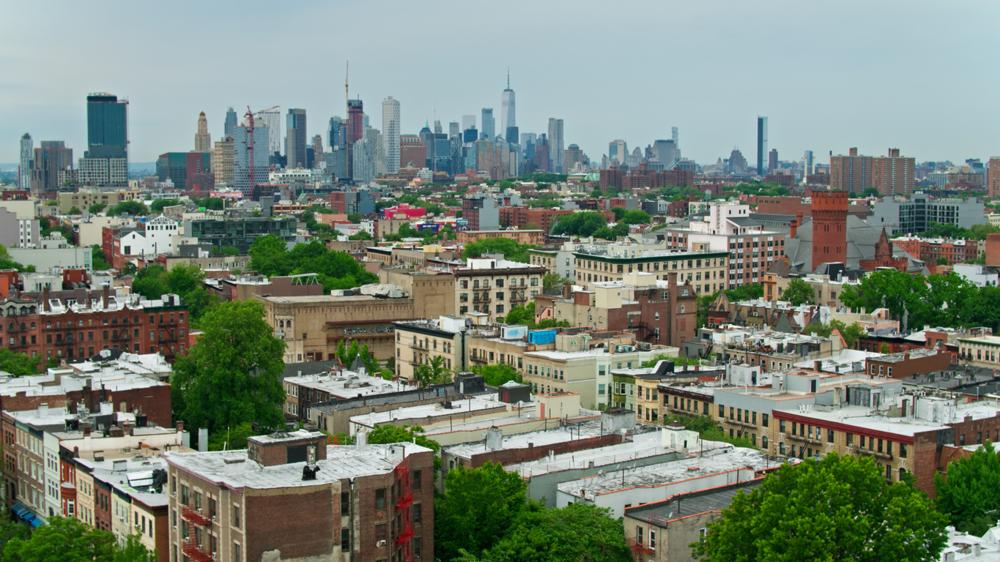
(746, 292)
(635, 216)
(521, 314)
(580, 223)
(553, 282)
(232, 375)
(387, 433)
(98, 259)
(360, 235)
(576, 532)
(7, 262)
(347, 354)
(157, 205)
(837, 508)
(69, 540)
(130, 207)
(153, 281)
(506, 246)
(496, 375)
(74, 211)
(432, 372)
(270, 256)
(677, 361)
(17, 364)
(476, 509)
(968, 493)
(799, 292)
(96, 208)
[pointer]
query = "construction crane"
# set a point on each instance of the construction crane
(249, 142)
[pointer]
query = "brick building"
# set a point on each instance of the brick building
(829, 227)
(291, 496)
(938, 251)
(908, 363)
(643, 176)
(530, 218)
(69, 330)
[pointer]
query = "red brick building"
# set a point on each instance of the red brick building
(293, 497)
(644, 177)
(53, 328)
(932, 251)
(527, 217)
(829, 227)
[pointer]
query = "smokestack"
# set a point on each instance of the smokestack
(105, 295)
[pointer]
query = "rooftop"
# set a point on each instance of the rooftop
(464, 405)
(534, 439)
(641, 446)
(684, 505)
(348, 384)
(236, 470)
(865, 418)
(63, 380)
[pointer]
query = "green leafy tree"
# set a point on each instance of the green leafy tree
(521, 314)
(969, 493)
(553, 282)
(348, 353)
(232, 375)
(17, 364)
(270, 256)
(130, 207)
(7, 262)
(74, 211)
(837, 508)
(360, 235)
(96, 208)
(749, 291)
(678, 361)
(476, 510)
(635, 216)
(402, 434)
(157, 205)
(97, 258)
(498, 374)
(798, 292)
(210, 203)
(576, 532)
(69, 540)
(580, 223)
(186, 281)
(432, 372)
(509, 248)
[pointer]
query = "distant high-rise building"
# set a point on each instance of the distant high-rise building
(772, 160)
(105, 163)
(487, 122)
(49, 166)
(232, 121)
(242, 162)
(202, 140)
(438, 130)
(666, 154)
(336, 133)
(468, 122)
(993, 177)
(24, 165)
(412, 152)
(355, 130)
(889, 175)
(675, 136)
(223, 161)
(761, 144)
(617, 152)
(508, 113)
(807, 163)
(369, 159)
(453, 129)
(317, 145)
(574, 158)
(390, 134)
(272, 120)
(556, 146)
(295, 138)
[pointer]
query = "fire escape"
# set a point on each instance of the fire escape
(190, 545)
(403, 504)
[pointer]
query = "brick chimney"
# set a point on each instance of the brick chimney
(105, 296)
(45, 300)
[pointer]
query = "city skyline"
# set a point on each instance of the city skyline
(804, 91)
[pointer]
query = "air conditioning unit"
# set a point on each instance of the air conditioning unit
(381, 543)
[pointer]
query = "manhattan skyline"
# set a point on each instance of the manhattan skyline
(631, 73)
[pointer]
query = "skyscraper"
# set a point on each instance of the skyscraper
(229, 128)
(556, 148)
(355, 130)
(666, 153)
(807, 163)
(390, 134)
(241, 159)
(772, 160)
(675, 136)
(487, 123)
(202, 140)
(617, 152)
(468, 122)
(24, 166)
(50, 161)
(271, 119)
(508, 119)
(761, 144)
(295, 138)
(105, 163)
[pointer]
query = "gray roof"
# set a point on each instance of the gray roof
(861, 240)
(683, 505)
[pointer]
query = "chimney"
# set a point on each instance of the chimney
(45, 299)
(105, 295)
(793, 227)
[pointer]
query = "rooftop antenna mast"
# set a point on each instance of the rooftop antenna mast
(347, 76)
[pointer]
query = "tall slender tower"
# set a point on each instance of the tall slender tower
(202, 140)
(295, 138)
(24, 165)
(761, 145)
(390, 134)
(229, 130)
(488, 123)
(508, 120)
(556, 147)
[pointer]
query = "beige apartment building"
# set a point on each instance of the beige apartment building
(707, 272)
(420, 341)
(84, 198)
(493, 286)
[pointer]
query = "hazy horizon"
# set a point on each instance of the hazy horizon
(912, 75)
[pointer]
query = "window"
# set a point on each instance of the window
(381, 532)
(345, 503)
(416, 513)
(902, 450)
(236, 516)
(764, 419)
(722, 411)
(829, 436)
(781, 426)
(638, 534)
(237, 552)
(380, 498)
(345, 539)
(652, 539)
(416, 483)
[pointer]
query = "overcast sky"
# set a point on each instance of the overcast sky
(918, 74)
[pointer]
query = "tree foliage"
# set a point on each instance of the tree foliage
(476, 510)
(576, 532)
(799, 292)
(524, 314)
(746, 292)
(347, 354)
(100, 263)
(270, 256)
(580, 223)
(837, 508)
(232, 375)
(506, 246)
(17, 364)
(157, 205)
(7, 262)
(631, 216)
(69, 540)
(498, 374)
(130, 207)
(432, 372)
(402, 434)
(969, 494)
(153, 281)
(96, 208)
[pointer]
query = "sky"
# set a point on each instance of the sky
(918, 75)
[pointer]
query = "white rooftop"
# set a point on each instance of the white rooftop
(236, 470)
(865, 418)
(349, 384)
(523, 440)
(423, 412)
(59, 381)
(642, 445)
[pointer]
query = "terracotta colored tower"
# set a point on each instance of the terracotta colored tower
(829, 227)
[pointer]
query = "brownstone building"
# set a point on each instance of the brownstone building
(291, 496)
(908, 363)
